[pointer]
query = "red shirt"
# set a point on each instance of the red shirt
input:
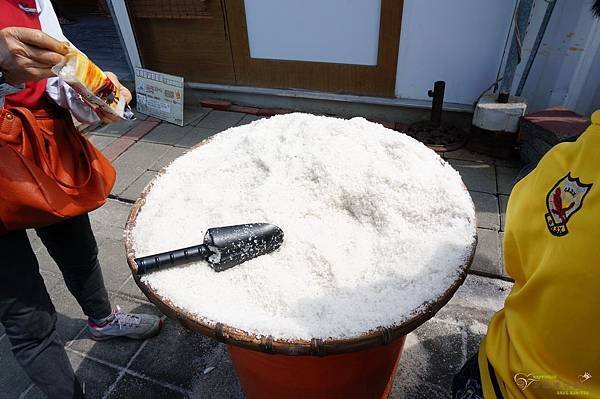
(13, 13)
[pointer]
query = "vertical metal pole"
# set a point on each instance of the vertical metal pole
(514, 54)
(536, 46)
(113, 16)
(437, 103)
(121, 18)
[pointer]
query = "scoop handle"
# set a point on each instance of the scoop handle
(171, 258)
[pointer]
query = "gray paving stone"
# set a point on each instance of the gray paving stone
(107, 232)
(142, 154)
(96, 377)
(487, 255)
(466, 155)
(193, 115)
(112, 213)
(220, 120)
(486, 207)
(101, 142)
(436, 350)
(476, 176)
(130, 289)
(504, 272)
(134, 162)
(433, 354)
(117, 351)
(220, 383)
(512, 162)
(126, 175)
(116, 129)
(476, 300)
(130, 387)
(134, 190)
(423, 390)
(139, 115)
(45, 261)
(13, 380)
(195, 136)
(411, 376)
(111, 254)
(475, 332)
(503, 203)
(248, 119)
(175, 346)
(166, 133)
(444, 341)
(507, 177)
(34, 240)
(70, 317)
(168, 157)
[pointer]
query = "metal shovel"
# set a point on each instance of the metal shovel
(223, 248)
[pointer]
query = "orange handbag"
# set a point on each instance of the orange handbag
(48, 170)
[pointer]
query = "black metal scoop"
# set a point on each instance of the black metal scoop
(223, 248)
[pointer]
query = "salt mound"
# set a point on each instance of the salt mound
(375, 224)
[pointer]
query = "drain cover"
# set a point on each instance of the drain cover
(440, 138)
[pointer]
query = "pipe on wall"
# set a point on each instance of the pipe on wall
(514, 54)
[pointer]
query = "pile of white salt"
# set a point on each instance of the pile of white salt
(375, 224)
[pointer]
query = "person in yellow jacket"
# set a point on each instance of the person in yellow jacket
(545, 342)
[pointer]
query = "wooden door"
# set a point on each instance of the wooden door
(183, 37)
(377, 80)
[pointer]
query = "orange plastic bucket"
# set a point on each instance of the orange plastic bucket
(367, 374)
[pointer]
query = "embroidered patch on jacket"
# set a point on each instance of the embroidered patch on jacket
(562, 201)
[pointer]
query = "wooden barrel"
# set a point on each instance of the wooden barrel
(362, 366)
(367, 374)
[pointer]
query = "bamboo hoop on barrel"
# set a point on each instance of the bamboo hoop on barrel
(292, 347)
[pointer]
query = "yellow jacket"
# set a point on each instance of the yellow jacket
(545, 342)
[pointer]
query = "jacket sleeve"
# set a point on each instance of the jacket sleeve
(8, 89)
(57, 90)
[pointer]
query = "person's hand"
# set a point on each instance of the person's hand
(125, 93)
(107, 117)
(27, 55)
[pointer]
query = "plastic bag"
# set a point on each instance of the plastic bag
(89, 81)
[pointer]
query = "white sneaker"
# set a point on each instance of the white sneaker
(130, 325)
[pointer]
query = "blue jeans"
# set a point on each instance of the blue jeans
(26, 311)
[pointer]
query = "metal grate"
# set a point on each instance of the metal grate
(169, 9)
(439, 137)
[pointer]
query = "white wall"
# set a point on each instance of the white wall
(589, 98)
(566, 71)
(459, 41)
(462, 42)
(339, 31)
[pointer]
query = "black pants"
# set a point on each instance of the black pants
(26, 310)
(467, 383)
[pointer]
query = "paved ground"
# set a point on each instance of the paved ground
(173, 364)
